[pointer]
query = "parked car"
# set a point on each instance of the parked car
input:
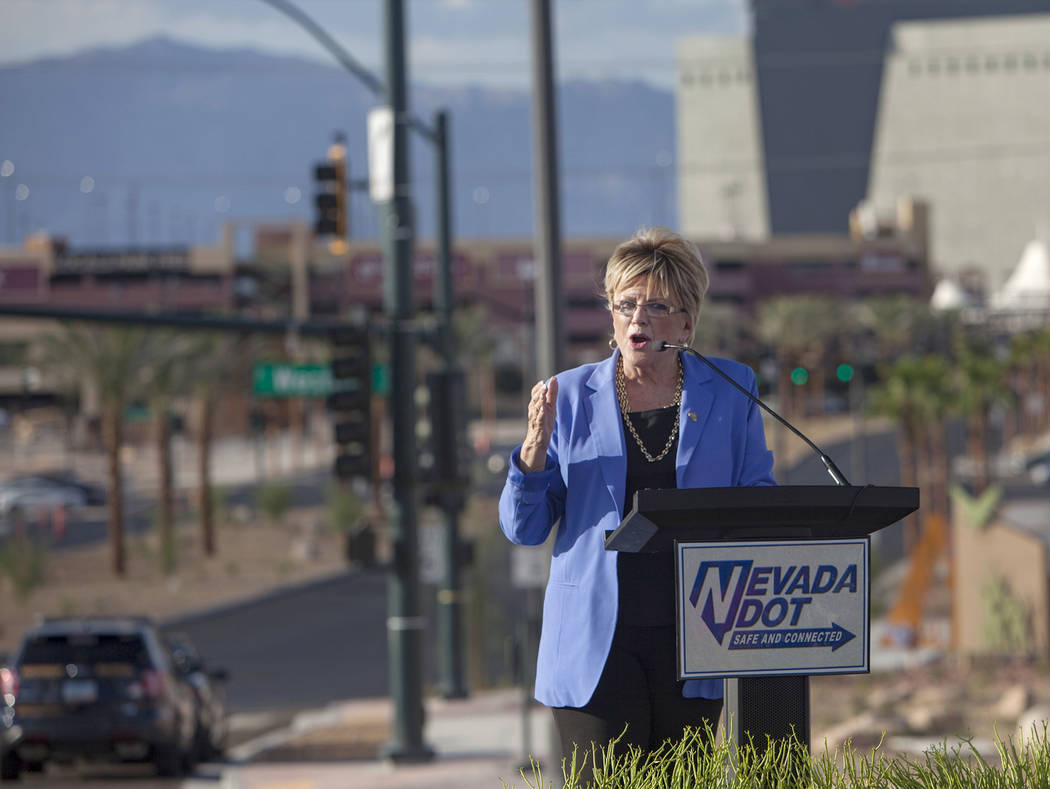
(1038, 467)
(97, 689)
(67, 479)
(26, 497)
(209, 690)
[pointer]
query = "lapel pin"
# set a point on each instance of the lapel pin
(692, 415)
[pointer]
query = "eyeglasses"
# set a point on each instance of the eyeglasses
(652, 309)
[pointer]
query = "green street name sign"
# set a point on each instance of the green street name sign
(291, 380)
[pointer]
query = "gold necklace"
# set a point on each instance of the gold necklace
(621, 396)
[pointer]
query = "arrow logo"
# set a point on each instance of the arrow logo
(835, 637)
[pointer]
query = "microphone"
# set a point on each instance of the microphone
(829, 464)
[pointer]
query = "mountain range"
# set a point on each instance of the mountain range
(160, 142)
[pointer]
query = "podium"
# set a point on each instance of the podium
(772, 587)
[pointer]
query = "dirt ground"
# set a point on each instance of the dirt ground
(252, 558)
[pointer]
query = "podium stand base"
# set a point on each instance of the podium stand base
(759, 706)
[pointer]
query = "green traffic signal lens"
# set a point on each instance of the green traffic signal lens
(844, 372)
(799, 376)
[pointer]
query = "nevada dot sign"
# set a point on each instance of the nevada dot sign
(769, 608)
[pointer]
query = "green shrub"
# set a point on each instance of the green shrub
(699, 760)
(22, 560)
(273, 500)
(345, 508)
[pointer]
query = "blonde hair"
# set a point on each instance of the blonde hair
(671, 263)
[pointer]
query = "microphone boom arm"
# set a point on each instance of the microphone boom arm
(829, 464)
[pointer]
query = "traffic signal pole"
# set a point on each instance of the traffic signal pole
(450, 595)
(405, 621)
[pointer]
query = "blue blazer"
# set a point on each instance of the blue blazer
(721, 443)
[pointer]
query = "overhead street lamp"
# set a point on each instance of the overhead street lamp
(404, 621)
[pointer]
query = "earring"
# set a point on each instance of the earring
(612, 343)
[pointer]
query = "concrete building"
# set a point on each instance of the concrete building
(964, 121)
(721, 169)
(814, 102)
(180, 279)
(894, 259)
(287, 274)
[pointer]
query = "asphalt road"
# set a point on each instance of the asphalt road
(304, 647)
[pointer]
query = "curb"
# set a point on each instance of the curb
(303, 722)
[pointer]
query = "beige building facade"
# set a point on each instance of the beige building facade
(721, 172)
(964, 123)
(1001, 578)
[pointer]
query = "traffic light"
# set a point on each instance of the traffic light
(844, 372)
(448, 424)
(331, 197)
(351, 400)
(799, 376)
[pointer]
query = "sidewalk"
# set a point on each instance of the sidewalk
(477, 742)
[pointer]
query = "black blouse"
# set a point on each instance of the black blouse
(646, 580)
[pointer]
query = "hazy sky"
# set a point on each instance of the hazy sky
(450, 41)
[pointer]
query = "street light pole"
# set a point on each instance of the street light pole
(450, 596)
(396, 231)
(549, 294)
(405, 621)
(550, 334)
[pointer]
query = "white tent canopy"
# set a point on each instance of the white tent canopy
(1028, 287)
(949, 295)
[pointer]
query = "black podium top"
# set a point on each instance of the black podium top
(823, 512)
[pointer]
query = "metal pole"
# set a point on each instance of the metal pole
(525, 658)
(550, 335)
(450, 596)
(444, 298)
(549, 299)
(755, 707)
(405, 620)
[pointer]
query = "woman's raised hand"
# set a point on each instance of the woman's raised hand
(542, 410)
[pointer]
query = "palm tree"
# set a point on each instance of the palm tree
(1029, 371)
(914, 394)
(1020, 374)
(980, 384)
(212, 362)
(915, 391)
(897, 322)
(111, 360)
(720, 330)
(936, 396)
(1042, 387)
(169, 357)
(801, 329)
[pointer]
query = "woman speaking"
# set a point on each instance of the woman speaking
(642, 418)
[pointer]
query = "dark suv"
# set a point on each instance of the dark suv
(96, 689)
